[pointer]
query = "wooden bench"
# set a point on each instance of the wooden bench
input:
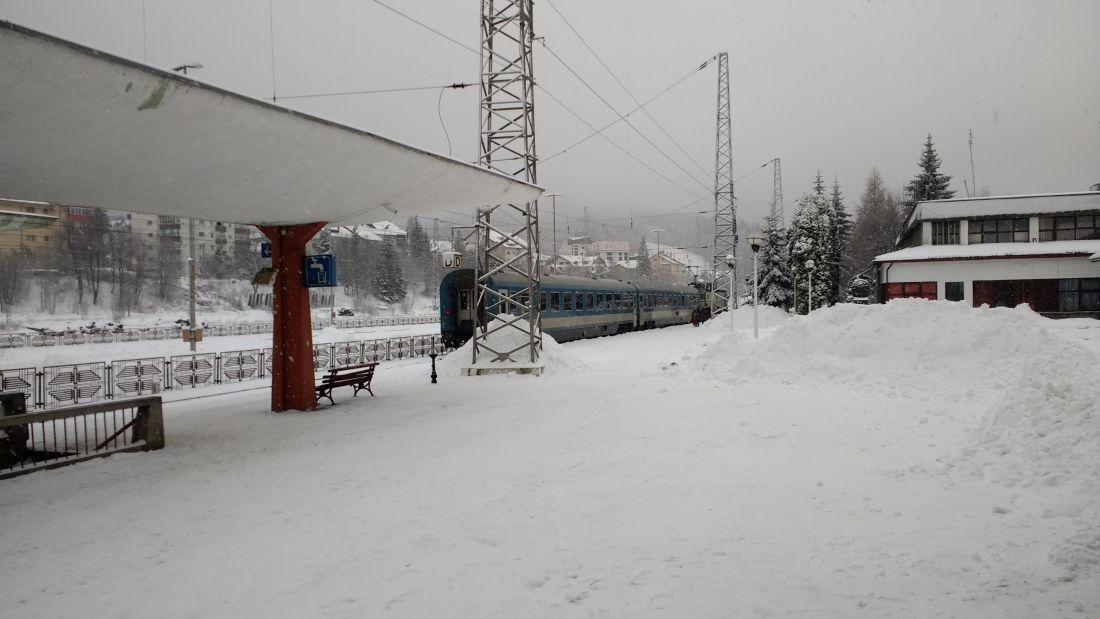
(356, 376)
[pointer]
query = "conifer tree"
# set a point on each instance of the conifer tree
(878, 220)
(842, 233)
(420, 263)
(810, 237)
(645, 272)
(775, 281)
(929, 183)
(389, 280)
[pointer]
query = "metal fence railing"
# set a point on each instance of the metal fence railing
(71, 337)
(55, 386)
(48, 439)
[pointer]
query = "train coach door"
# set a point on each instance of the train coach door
(465, 305)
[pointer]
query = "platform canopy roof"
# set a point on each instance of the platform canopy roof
(82, 127)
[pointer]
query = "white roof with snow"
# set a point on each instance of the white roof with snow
(991, 250)
(1034, 204)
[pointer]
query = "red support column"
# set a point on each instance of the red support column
(292, 386)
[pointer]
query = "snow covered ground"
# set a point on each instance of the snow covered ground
(910, 460)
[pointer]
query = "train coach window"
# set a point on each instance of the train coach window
(463, 299)
(545, 301)
(589, 302)
(567, 302)
(555, 301)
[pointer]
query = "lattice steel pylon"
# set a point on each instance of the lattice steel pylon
(507, 145)
(777, 191)
(725, 212)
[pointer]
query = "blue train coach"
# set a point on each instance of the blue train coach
(573, 308)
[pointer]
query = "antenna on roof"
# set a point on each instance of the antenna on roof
(972, 181)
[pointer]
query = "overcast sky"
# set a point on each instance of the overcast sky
(838, 86)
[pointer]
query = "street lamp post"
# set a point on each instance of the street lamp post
(756, 241)
(191, 241)
(731, 262)
(809, 286)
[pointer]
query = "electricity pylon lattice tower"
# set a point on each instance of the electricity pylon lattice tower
(725, 212)
(507, 145)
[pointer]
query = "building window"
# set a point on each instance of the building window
(945, 232)
(1069, 228)
(31, 237)
(953, 291)
(920, 290)
(1079, 295)
(1007, 230)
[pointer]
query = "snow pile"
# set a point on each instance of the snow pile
(555, 359)
(769, 317)
(1034, 393)
(935, 349)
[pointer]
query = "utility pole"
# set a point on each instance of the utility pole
(507, 144)
(725, 212)
(193, 331)
(554, 221)
(658, 231)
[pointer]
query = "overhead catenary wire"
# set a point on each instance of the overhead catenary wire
(616, 144)
(627, 90)
(624, 118)
(455, 86)
(541, 87)
(640, 107)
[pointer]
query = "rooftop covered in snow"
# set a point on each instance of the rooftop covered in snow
(996, 206)
(991, 250)
(86, 128)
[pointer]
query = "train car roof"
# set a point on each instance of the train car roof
(589, 283)
(572, 282)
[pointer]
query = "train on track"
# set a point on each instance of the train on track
(573, 308)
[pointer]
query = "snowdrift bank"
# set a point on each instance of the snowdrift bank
(555, 358)
(1036, 395)
(769, 317)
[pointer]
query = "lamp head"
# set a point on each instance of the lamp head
(756, 241)
(810, 265)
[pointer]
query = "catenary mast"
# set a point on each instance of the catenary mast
(507, 145)
(725, 212)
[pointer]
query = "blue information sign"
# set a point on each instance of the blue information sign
(265, 250)
(320, 270)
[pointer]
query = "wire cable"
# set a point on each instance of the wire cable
(661, 151)
(616, 144)
(455, 86)
(439, 112)
(627, 90)
(640, 107)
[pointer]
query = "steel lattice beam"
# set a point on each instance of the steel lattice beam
(507, 145)
(725, 211)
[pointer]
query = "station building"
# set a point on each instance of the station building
(1000, 251)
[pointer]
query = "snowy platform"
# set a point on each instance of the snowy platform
(908, 460)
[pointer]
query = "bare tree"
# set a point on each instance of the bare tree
(12, 280)
(878, 221)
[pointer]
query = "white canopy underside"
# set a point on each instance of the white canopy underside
(82, 127)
